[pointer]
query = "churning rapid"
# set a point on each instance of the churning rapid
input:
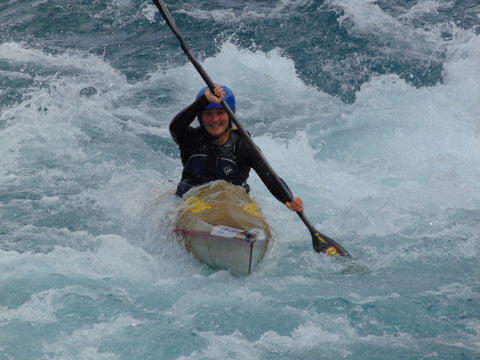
(368, 109)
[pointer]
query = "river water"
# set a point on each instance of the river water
(368, 109)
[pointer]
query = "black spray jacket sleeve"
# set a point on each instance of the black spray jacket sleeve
(180, 126)
(272, 181)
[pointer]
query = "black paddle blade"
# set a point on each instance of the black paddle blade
(324, 244)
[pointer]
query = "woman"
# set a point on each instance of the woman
(215, 151)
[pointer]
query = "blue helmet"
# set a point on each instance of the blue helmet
(229, 99)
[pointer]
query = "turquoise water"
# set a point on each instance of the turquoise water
(369, 111)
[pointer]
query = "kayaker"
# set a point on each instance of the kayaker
(215, 150)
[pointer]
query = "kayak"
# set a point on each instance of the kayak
(221, 226)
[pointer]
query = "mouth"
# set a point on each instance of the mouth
(214, 125)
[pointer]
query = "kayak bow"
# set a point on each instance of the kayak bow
(221, 226)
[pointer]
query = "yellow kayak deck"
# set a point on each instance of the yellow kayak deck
(221, 226)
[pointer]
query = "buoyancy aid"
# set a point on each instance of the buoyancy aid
(208, 162)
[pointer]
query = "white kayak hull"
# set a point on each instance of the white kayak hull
(221, 226)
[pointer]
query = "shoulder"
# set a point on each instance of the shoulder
(238, 140)
(244, 148)
(242, 141)
(191, 137)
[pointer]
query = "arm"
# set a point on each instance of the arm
(272, 181)
(179, 127)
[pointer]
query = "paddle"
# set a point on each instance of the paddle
(320, 242)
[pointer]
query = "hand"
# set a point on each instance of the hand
(295, 205)
(217, 97)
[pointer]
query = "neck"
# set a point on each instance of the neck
(221, 139)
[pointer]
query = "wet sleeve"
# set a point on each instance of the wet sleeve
(180, 125)
(274, 183)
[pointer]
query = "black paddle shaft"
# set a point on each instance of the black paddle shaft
(320, 242)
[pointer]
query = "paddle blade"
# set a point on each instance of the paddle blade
(324, 244)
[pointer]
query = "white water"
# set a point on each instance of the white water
(393, 177)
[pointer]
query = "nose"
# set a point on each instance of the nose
(215, 117)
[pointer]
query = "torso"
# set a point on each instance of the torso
(205, 162)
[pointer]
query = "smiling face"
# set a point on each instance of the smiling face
(216, 123)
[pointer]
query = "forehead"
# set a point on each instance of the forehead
(213, 111)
